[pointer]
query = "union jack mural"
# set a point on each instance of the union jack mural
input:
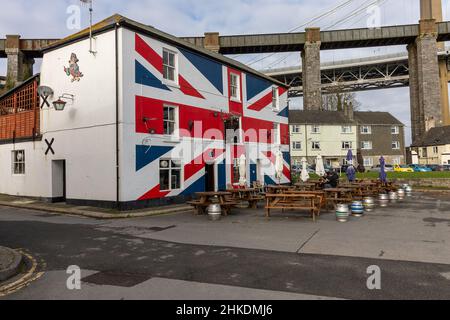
(182, 102)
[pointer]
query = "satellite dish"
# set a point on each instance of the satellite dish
(45, 91)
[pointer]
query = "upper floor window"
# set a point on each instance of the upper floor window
(170, 175)
(346, 145)
(170, 71)
(366, 145)
(395, 130)
(170, 120)
(235, 87)
(296, 129)
(18, 162)
(275, 99)
(424, 152)
(395, 145)
(346, 129)
(315, 129)
(366, 130)
(296, 145)
(435, 150)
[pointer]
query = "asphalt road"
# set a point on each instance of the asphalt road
(145, 268)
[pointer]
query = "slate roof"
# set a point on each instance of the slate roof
(435, 137)
(121, 21)
(376, 118)
(338, 118)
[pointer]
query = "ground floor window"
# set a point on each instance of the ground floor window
(18, 162)
(368, 162)
(169, 175)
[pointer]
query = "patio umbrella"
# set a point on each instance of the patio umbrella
(304, 175)
(242, 171)
(383, 175)
(320, 168)
(350, 157)
(279, 166)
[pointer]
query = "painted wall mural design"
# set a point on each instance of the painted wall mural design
(73, 69)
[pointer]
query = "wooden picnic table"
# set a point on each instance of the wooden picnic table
(292, 202)
(249, 194)
(278, 188)
(339, 195)
(205, 199)
(306, 186)
(357, 190)
(318, 193)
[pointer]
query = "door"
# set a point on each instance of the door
(210, 181)
(59, 180)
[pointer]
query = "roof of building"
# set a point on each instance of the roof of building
(121, 21)
(376, 118)
(338, 117)
(435, 137)
(318, 117)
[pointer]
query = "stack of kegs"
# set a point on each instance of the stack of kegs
(357, 209)
(342, 213)
(393, 196)
(384, 200)
(401, 193)
(369, 204)
(409, 191)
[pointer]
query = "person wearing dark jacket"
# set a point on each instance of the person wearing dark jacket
(331, 180)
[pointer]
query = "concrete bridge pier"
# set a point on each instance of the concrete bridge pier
(20, 67)
(312, 81)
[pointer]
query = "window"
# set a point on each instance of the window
(346, 145)
(366, 145)
(169, 175)
(366, 130)
(275, 99)
(368, 162)
(18, 162)
(346, 129)
(296, 129)
(435, 150)
(235, 87)
(170, 120)
(315, 129)
(395, 145)
(236, 174)
(395, 130)
(424, 152)
(170, 65)
(296, 145)
(315, 145)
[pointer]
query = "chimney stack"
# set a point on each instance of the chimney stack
(348, 111)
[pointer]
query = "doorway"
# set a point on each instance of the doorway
(210, 181)
(58, 180)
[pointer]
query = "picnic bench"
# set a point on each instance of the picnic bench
(320, 194)
(338, 195)
(249, 195)
(205, 199)
(293, 201)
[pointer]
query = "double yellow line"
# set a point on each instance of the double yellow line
(25, 280)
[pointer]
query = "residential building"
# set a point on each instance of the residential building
(433, 147)
(380, 134)
(148, 120)
(327, 133)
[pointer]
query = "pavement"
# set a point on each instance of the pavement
(242, 257)
(10, 263)
(86, 211)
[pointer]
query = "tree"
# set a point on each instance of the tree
(337, 98)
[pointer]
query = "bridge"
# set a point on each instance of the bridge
(372, 73)
(427, 75)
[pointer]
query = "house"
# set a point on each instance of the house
(327, 133)
(331, 134)
(148, 120)
(433, 147)
(380, 134)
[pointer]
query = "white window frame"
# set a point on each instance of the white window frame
(364, 147)
(275, 99)
(397, 143)
(174, 121)
(345, 128)
(315, 145)
(170, 168)
(368, 162)
(296, 129)
(366, 130)
(349, 143)
(296, 144)
(395, 130)
(237, 86)
(315, 129)
(174, 67)
(20, 163)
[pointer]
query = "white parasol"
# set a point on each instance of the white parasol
(320, 168)
(242, 171)
(304, 175)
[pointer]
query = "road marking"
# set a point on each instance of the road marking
(30, 276)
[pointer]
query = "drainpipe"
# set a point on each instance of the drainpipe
(117, 116)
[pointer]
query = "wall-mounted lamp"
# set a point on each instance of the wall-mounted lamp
(60, 104)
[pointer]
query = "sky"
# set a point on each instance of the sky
(48, 19)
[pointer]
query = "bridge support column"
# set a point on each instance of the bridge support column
(443, 75)
(426, 108)
(312, 82)
(20, 67)
(212, 41)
